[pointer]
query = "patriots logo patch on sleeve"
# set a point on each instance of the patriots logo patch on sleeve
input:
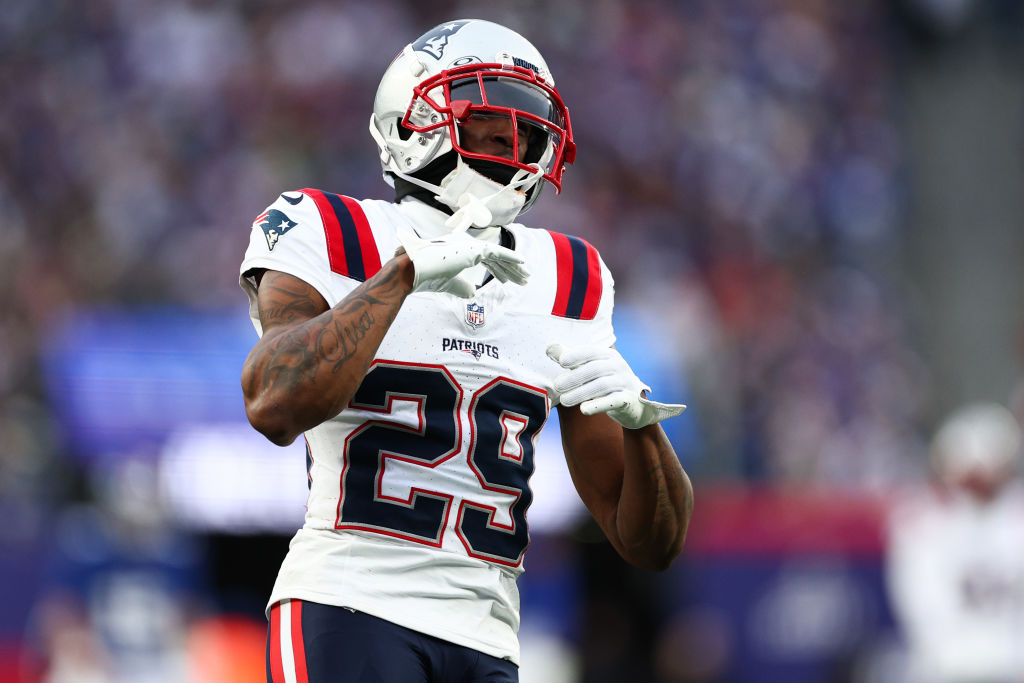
(274, 224)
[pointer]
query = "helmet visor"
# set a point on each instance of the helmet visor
(508, 94)
(512, 137)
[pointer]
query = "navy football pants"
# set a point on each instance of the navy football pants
(312, 643)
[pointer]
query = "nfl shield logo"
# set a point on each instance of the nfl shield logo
(474, 315)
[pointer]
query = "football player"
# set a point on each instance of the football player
(418, 345)
(954, 566)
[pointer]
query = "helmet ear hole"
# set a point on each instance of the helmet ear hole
(403, 132)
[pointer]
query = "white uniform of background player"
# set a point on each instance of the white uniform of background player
(956, 556)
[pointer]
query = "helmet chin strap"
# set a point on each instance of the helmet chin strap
(481, 202)
(477, 200)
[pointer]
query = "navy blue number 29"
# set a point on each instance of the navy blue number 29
(504, 416)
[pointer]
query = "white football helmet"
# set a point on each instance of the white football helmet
(452, 73)
(981, 437)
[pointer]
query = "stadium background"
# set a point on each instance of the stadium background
(813, 210)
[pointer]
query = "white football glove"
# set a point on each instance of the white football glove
(600, 381)
(438, 262)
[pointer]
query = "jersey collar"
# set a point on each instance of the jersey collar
(428, 222)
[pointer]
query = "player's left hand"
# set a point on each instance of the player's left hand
(599, 380)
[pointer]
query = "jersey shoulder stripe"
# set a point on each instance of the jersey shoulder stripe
(578, 292)
(351, 248)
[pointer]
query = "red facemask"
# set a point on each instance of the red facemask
(532, 107)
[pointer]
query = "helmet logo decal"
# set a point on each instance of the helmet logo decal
(434, 42)
(525, 64)
(508, 58)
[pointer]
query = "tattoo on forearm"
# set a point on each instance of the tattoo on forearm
(339, 340)
(296, 355)
(289, 305)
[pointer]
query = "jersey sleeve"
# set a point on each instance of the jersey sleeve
(584, 291)
(319, 237)
(603, 330)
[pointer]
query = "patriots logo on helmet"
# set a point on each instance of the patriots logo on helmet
(275, 224)
(434, 42)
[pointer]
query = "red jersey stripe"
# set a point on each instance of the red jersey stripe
(563, 263)
(594, 285)
(368, 246)
(351, 249)
(332, 232)
(578, 271)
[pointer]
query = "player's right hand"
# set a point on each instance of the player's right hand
(439, 262)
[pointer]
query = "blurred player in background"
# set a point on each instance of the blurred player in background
(419, 345)
(956, 555)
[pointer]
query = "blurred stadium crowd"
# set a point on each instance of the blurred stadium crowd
(741, 169)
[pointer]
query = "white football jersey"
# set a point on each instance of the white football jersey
(419, 489)
(955, 572)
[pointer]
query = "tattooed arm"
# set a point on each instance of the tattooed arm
(632, 483)
(311, 358)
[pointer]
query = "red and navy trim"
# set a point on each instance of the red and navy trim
(579, 278)
(286, 648)
(351, 249)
